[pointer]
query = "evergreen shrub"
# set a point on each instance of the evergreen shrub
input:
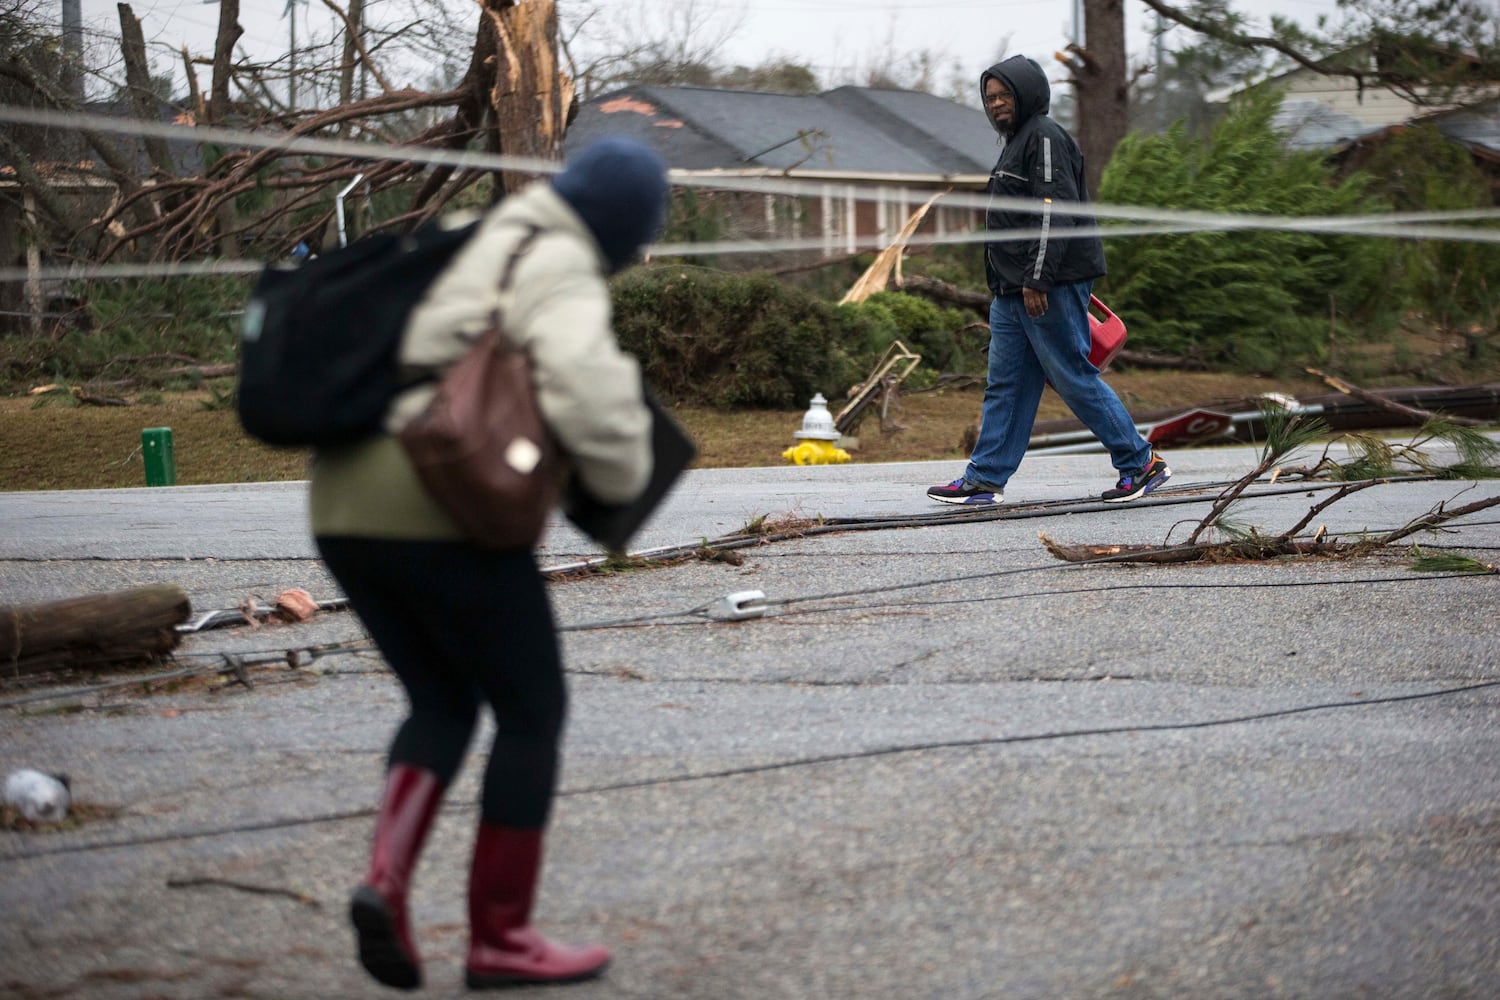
(735, 340)
(1255, 299)
(923, 326)
(1454, 282)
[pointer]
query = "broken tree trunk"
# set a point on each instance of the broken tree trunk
(223, 67)
(94, 631)
(530, 95)
(138, 84)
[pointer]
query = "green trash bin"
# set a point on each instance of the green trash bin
(161, 464)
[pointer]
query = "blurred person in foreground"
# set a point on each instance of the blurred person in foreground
(1042, 280)
(462, 625)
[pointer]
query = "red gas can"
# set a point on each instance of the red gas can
(1108, 334)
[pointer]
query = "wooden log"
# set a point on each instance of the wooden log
(96, 630)
(1123, 553)
(947, 292)
(1146, 359)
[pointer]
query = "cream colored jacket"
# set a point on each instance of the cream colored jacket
(558, 312)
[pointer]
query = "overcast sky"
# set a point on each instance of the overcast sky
(832, 34)
(836, 37)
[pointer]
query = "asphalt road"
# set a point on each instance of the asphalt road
(943, 764)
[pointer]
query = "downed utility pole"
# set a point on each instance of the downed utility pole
(96, 631)
(1408, 413)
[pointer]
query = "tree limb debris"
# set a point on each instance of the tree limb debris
(887, 263)
(1253, 547)
(515, 99)
(946, 292)
(1375, 399)
(1285, 433)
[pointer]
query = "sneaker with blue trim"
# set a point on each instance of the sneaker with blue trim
(964, 492)
(1137, 484)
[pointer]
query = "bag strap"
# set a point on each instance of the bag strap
(507, 274)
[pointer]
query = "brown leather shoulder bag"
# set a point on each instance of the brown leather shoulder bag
(481, 448)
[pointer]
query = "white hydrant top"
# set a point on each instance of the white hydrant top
(817, 422)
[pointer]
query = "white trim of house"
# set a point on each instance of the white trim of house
(837, 194)
(832, 176)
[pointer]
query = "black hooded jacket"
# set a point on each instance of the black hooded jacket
(1039, 161)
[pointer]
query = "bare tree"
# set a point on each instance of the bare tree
(511, 99)
(646, 41)
(930, 71)
(1099, 84)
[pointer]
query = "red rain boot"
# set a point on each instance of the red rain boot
(378, 908)
(503, 949)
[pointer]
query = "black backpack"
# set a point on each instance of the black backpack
(318, 345)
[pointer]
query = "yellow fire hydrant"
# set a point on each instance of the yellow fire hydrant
(817, 438)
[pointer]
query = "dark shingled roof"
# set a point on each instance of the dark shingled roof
(1312, 125)
(1476, 127)
(852, 130)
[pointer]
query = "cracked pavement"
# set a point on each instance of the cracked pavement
(944, 764)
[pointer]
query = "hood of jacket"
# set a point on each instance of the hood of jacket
(1026, 82)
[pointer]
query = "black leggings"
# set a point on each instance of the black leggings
(459, 624)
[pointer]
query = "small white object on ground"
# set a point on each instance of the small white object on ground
(39, 797)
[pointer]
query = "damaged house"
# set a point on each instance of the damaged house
(1349, 121)
(867, 158)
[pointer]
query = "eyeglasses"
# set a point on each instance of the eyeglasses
(1002, 97)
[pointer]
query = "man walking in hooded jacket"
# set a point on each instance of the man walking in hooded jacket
(1042, 279)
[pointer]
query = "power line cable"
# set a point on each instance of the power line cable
(783, 765)
(700, 614)
(1159, 220)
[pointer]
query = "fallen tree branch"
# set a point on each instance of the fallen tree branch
(1390, 405)
(1318, 508)
(1256, 548)
(90, 399)
(944, 291)
(1147, 359)
(1438, 515)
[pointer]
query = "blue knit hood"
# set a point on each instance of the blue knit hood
(618, 186)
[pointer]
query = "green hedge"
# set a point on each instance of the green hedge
(734, 340)
(748, 340)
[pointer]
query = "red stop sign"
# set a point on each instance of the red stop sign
(1194, 425)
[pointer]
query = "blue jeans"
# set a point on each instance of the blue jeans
(1027, 353)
